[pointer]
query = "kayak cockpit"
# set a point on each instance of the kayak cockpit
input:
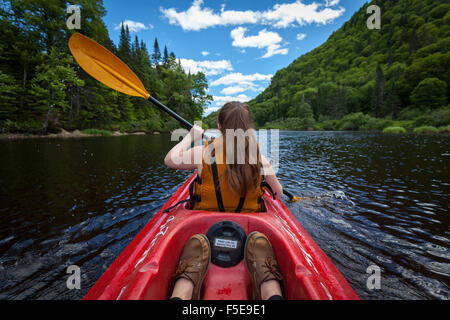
(146, 267)
(152, 278)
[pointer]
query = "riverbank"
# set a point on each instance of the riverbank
(103, 133)
(74, 134)
(389, 130)
(410, 121)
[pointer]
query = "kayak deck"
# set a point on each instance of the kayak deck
(145, 268)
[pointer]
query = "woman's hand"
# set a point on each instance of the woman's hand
(196, 133)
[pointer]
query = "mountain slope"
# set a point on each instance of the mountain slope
(401, 70)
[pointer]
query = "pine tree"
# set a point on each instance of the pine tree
(380, 93)
(393, 102)
(166, 57)
(156, 56)
(9, 89)
(135, 48)
(125, 108)
(135, 63)
(124, 49)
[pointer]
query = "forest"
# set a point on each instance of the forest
(362, 79)
(43, 90)
(395, 78)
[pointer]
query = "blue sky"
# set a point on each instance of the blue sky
(238, 44)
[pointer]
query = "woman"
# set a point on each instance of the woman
(232, 177)
(237, 179)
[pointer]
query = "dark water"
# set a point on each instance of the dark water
(377, 200)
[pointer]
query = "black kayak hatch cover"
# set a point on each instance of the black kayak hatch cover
(227, 240)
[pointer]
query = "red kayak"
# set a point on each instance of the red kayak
(145, 268)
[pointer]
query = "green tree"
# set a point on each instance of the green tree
(198, 89)
(156, 56)
(380, 93)
(53, 78)
(393, 102)
(303, 111)
(166, 57)
(124, 49)
(9, 88)
(430, 93)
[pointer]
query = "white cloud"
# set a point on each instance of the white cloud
(301, 36)
(211, 110)
(240, 79)
(209, 68)
(275, 49)
(205, 53)
(221, 100)
(238, 89)
(290, 14)
(233, 90)
(264, 39)
(197, 18)
(133, 26)
(331, 3)
(151, 26)
(280, 15)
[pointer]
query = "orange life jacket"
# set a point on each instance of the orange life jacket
(211, 192)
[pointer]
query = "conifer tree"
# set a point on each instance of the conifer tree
(380, 92)
(393, 102)
(156, 56)
(124, 49)
(166, 57)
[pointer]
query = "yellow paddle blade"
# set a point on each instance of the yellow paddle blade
(104, 66)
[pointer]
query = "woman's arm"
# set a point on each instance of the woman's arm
(271, 178)
(182, 156)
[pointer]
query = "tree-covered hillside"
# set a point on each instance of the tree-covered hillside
(42, 88)
(360, 76)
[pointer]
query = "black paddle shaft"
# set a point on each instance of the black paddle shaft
(187, 124)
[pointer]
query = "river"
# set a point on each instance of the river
(375, 200)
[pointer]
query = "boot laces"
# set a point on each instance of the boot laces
(271, 266)
(189, 265)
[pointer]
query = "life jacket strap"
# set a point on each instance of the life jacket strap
(193, 198)
(217, 184)
(215, 177)
(240, 205)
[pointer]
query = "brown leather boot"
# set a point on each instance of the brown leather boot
(261, 262)
(194, 262)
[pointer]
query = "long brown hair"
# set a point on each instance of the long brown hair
(241, 178)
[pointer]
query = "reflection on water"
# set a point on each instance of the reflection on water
(375, 200)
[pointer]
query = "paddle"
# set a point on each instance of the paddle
(105, 67)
